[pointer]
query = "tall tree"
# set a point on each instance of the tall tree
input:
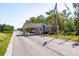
(76, 13)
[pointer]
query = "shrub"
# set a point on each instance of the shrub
(2, 36)
(77, 32)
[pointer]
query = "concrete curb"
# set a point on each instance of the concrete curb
(9, 49)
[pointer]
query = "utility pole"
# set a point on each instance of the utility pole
(56, 20)
(56, 24)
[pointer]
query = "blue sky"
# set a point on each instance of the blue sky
(17, 14)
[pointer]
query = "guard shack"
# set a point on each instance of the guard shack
(35, 28)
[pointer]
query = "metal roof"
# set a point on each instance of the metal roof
(34, 25)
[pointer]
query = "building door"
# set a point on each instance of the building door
(43, 29)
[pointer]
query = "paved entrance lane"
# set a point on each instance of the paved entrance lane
(32, 46)
(61, 46)
(24, 46)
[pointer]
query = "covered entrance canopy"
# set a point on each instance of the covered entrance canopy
(36, 28)
(33, 28)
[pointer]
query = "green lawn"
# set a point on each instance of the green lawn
(4, 41)
(67, 37)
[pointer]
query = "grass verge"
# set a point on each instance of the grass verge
(67, 37)
(4, 41)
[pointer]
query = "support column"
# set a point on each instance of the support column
(35, 31)
(23, 31)
(28, 32)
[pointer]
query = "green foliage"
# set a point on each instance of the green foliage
(6, 28)
(5, 36)
(2, 37)
(67, 24)
(4, 43)
(77, 32)
(76, 13)
(38, 19)
(67, 37)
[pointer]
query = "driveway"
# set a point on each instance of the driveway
(24, 46)
(62, 47)
(32, 46)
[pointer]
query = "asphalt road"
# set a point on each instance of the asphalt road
(25, 46)
(32, 46)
